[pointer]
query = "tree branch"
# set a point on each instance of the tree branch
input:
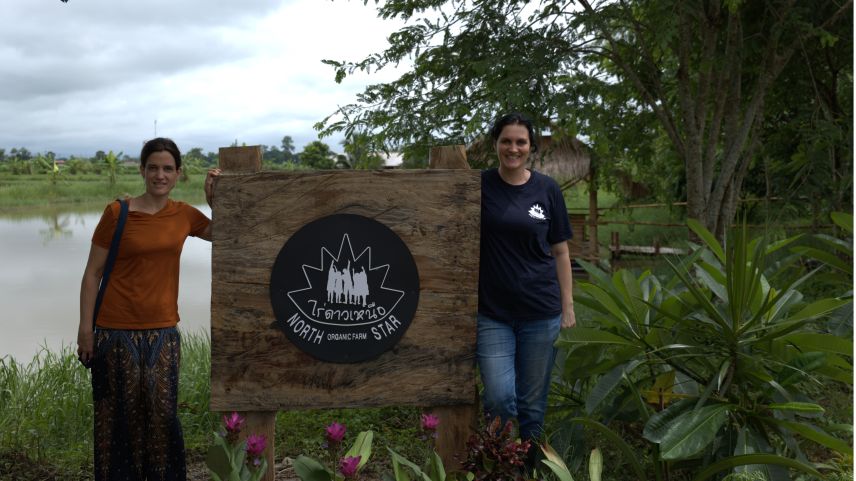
(655, 102)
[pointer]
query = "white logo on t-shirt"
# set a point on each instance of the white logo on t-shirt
(537, 212)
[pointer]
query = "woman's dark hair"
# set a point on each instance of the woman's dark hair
(160, 144)
(514, 118)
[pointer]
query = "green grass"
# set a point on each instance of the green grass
(90, 191)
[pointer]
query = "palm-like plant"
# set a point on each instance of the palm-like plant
(112, 161)
(713, 362)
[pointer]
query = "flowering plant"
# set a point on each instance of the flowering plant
(231, 459)
(433, 470)
(347, 466)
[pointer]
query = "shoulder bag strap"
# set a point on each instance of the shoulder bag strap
(111, 257)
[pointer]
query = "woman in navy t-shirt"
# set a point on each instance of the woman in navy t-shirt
(525, 283)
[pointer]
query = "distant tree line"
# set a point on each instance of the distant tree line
(358, 153)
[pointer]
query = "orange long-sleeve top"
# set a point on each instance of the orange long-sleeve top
(143, 289)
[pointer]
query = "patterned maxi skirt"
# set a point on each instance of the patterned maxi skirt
(135, 393)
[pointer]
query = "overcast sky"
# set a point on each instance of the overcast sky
(92, 75)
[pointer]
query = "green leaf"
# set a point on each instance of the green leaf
(437, 472)
(843, 220)
(607, 384)
(713, 279)
(814, 434)
(217, 461)
(560, 470)
(402, 461)
(826, 257)
(308, 469)
(692, 431)
(657, 426)
(798, 368)
(774, 246)
(604, 302)
(555, 463)
(587, 335)
(819, 308)
(797, 406)
(707, 238)
(745, 459)
(837, 368)
(399, 474)
(812, 341)
(702, 299)
(807, 314)
(362, 447)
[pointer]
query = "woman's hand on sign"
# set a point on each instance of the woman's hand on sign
(209, 184)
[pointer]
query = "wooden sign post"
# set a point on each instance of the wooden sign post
(258, 370)
(249, 160)
(458, 422)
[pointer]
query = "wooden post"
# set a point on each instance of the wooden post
(457, 423)
(448, 157)
(616, 245)
(241, 159)
(249, 159)
(593, 215)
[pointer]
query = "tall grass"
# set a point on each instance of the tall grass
(46, 408)
(194, 393)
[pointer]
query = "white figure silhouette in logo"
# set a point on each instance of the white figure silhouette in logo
(361, 286)
(346, 287)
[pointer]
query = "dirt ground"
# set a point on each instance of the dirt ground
(283, 471)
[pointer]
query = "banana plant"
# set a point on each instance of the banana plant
(712, 360)
(112, 162)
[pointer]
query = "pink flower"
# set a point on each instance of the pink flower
(233, 422)
(348, 465)
(430, 422)
(256, 444)
(335, 433)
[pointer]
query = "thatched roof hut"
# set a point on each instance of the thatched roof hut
(562, 158)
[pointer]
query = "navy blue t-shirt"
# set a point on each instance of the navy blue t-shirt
(519, 224)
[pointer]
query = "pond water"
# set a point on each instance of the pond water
(41, 263)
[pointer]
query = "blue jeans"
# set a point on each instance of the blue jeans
(515, 360)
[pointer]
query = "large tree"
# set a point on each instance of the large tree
(317, 155)
(287, 148)
(648, 81)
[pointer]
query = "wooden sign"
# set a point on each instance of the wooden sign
(254, 364)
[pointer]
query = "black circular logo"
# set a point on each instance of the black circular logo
(344, 288)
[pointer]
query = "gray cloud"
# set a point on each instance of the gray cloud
(93, 75)
(56, 48)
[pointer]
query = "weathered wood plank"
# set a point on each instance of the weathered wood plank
(241, 159)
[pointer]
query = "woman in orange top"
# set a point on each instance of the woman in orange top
(135, 349)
